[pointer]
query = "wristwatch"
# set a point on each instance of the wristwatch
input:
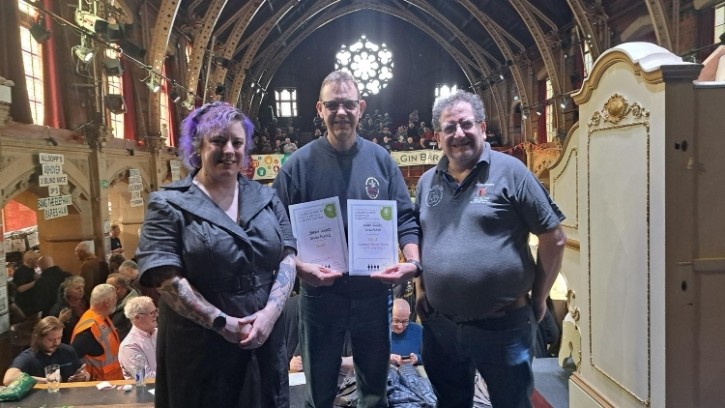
(418, 266)
(219, 322)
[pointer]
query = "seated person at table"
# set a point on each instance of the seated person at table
(46, 348)
(96, 339)
(124, 293)
(71, 304)
(406, 337)
(139, 346)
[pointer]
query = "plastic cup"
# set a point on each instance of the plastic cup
(52, 375)
(140, 375)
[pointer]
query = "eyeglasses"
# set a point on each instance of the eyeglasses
(153, 313)
(348, 104)
(401, 322)
(466, 125)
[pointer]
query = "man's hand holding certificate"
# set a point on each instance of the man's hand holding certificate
(321, 244)
(372, 235)
(371, 248)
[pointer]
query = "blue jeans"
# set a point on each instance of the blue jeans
(500, 348)
(326, 313)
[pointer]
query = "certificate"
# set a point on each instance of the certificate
(317, 225)
(373, 235)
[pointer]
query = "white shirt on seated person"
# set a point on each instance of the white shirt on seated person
(139, 346)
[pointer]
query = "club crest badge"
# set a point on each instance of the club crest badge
(372, 188)
(480, 193)
(434, 197)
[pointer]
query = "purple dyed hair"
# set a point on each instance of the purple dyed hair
(214, 116)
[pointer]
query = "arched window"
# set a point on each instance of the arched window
(550, 112)
(369, 63)
(445, 90)
(719, 21)
(114, 86)
(32, 61)
(286, 100)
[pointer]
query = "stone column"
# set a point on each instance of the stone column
(96, 137)
(158, 165)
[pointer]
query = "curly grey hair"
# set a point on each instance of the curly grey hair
(136, 306)
(445, 102)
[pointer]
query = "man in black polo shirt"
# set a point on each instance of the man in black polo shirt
(46, 348)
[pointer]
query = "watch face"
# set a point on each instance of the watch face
(219, 322)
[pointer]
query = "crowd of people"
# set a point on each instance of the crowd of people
(95, 334)
(378, 128)
(219, 252)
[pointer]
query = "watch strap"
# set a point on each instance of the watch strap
(418, 266)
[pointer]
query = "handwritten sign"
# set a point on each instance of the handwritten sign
(47, 202)
(55, 212)
(45, 180)
(50, 158)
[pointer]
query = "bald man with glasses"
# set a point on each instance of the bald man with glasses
(406, 339)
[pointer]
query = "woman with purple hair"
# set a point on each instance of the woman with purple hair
(219, 248)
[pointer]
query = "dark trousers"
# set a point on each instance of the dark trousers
(325, 317)
(500, 348)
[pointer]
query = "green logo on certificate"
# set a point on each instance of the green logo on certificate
(330, 211)
(386, 213)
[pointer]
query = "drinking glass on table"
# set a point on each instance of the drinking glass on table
(52, 375)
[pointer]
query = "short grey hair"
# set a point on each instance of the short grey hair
(340, 78)
(135, 306)
(101, 293)
(128, 264)
(84, 246)
(445, 102)
(71, 282)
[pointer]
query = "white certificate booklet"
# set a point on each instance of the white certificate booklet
(320, 234)
(372, 227)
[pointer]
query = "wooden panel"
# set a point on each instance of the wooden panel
(618, 198)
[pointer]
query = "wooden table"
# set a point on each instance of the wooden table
(85, 394)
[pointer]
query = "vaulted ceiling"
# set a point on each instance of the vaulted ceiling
(485, 37)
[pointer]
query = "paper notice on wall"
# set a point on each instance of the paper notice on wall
(51, 158)
(47, 202)
(55, 212)
(3, 272)
(18, 245)
(45, 180)
(32, 237)
(4, 315)
(175, 166)
(135, 187)
(136, 202)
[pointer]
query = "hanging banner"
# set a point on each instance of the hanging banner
(417, 157)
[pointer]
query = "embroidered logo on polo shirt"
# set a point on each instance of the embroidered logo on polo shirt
(434, 197)
(372, 187)
(480, 193)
